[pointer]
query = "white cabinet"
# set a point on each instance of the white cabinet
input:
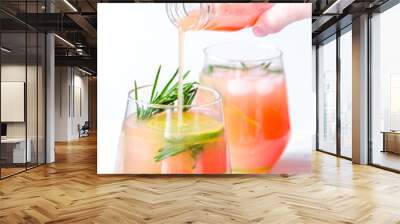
(17, 146)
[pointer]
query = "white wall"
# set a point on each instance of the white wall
(61, 103)
(12, 73)
(69, 82)
(33, 127)
(80, 84)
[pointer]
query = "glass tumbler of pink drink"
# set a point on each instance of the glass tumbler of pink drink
(251, 81)
(154, 140)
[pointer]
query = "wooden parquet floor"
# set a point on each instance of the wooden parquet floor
(70, 191)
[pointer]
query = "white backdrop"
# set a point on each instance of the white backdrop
(134, 38)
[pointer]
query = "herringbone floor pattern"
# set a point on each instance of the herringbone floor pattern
(70, 191)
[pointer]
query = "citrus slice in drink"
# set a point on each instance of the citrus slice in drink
(185, 141)
(195, 127)
(240, 116)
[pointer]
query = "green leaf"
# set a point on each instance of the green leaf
(179, 144)
(196, 150)
(169, 83)
(183, 78)
(155, 84)
(136, 98)
(167, 96)
(210, 69)
(265, 66)
(169, 151)
(244, 66)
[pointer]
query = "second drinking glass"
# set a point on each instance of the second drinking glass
(155, 141)
(251, 80)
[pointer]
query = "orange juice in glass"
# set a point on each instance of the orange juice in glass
(251, 81)
(159, 144)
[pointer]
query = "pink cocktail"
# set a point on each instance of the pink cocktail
(161, 145)
(251, 82)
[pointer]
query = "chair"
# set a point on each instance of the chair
(84, 130)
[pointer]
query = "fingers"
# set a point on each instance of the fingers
(279, 16)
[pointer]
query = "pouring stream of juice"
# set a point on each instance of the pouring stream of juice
(180, 74)
(184, 25)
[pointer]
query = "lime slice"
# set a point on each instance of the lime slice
(195, 130)
(195, 127)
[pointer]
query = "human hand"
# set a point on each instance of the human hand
(279, 16)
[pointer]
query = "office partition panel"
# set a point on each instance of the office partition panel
(15, 149)
(327, 97)
(22, 77)
(31, 100)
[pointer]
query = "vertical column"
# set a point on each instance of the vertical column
(315, 90)
(360, 89)
(338, 99)
(50, 92)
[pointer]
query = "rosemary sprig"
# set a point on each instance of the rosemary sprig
(175, 149)
(192, 143)
(155, 83)
(244, 66)
(136, 98)
(167, 96)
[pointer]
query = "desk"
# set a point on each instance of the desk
(15, 148)
(391, 141)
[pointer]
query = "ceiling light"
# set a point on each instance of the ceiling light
(70, 5)
(5, 50)
(337, 7)
(84, 71)
(65, 41)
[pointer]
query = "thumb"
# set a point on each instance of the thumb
(279, 16)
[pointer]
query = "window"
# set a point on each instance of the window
(346, 94)
(327, 97)
(385, 89)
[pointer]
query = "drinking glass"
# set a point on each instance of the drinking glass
(251, 81)
(155, 141)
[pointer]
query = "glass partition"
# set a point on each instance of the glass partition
(346, 94)
(14, 153)
(32, 90)
(327, 97)
(385, 90)
(31, 100)
(41, 107)
(23, 89)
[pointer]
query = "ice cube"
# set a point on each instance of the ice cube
(239, 87)
(265, 85)
(278, 79)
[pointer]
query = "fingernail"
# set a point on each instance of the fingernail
(259, 31)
